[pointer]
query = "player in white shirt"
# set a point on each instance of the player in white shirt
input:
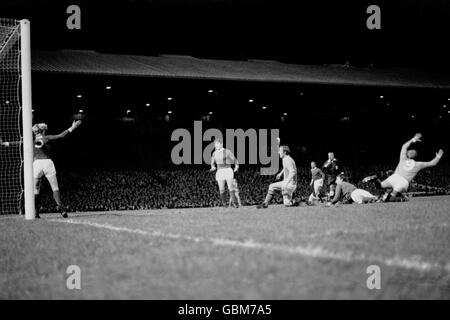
(405, 172)
(289, 183)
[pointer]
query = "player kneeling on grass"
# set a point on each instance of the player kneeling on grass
(348, 193)
(289, 183)
(405, 172)
(224, 158)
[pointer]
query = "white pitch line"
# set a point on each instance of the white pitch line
(308, 251)
(335, 232)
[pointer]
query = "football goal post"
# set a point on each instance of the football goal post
(16, 144)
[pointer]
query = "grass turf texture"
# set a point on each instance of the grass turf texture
(276, 253)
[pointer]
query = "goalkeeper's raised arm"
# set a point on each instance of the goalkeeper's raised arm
(74, 125)
(43, 164)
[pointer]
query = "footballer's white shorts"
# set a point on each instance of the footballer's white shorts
(43, 167)
(318, 184)
(359, 195)
(224, 174)
(398, 183)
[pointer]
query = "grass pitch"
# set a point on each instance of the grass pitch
(214, 253)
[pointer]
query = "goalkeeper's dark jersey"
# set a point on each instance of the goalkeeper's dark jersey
(41, 147)
(343, 191)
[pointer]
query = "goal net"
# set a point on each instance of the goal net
(15, 119)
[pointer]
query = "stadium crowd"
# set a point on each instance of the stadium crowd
(100, 190)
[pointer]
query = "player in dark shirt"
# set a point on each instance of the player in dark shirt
(317, 177)
(42, 162)
(348, 193)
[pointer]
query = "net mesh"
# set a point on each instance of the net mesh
(11, 181)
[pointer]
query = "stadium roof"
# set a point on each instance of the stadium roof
(187, 67)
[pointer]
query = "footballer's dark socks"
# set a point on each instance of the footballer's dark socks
(223, 197)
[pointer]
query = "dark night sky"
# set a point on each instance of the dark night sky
(414, 35)
(414, 32)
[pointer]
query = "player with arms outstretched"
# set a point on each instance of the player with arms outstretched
(405, 172)
(43, 164)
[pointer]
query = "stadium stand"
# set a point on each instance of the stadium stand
(100, 190)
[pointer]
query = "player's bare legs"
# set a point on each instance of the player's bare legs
(268, 198)
(317, 190)
(380, 185)
(233, 199)
(273, 187)
(238, 200)
(289, 183)
(286, 191)
(234, 193)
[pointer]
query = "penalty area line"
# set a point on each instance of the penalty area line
(303, 251)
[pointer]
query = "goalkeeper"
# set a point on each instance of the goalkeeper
(42, 162)
(348, 193)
